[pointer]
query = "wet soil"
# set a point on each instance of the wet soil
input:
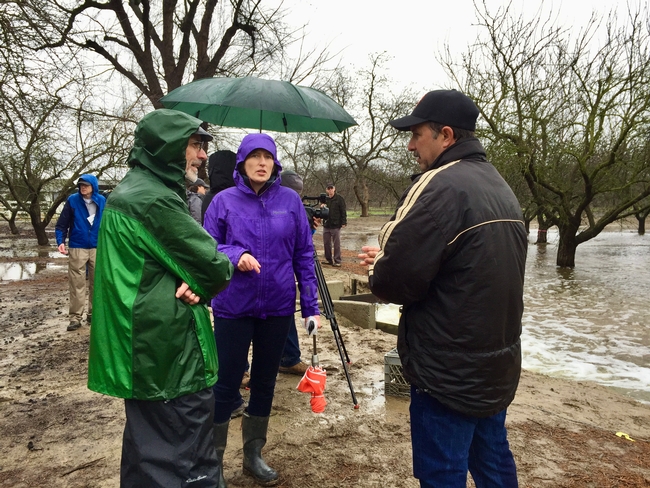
(57, 433)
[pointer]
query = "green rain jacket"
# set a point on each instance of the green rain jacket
(145, 344)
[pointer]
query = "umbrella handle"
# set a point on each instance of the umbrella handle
(314, 358)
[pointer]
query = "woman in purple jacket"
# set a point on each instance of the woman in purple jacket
(262, 227)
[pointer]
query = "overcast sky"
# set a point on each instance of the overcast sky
(412, 31)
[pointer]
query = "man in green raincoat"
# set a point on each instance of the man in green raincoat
(151, 340)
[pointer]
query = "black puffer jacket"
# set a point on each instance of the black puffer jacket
(454, 255)
(221, 165)
(338, 216)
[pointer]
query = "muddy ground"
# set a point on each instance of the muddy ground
(56, 433)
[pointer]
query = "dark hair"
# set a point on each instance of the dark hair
(458, 133)
(194, 188)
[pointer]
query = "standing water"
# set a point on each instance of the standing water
(591, 322)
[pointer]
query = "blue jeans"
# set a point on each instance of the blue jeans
(291, 353)
(446, 444)
(234, 337)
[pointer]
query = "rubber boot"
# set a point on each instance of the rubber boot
(254, 436)
(220, 439)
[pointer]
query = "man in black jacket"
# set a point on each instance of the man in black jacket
(453, 256)
(336, 220)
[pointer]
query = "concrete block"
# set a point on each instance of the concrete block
(359, 313)
(336, 289)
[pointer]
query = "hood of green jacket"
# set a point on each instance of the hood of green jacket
(160, 143)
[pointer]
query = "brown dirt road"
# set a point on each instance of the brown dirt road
(56, 433)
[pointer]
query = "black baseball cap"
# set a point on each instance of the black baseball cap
(205, 135)
(447, 107)
(330, 185)
(200, 182)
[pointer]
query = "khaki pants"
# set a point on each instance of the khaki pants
(77, 280)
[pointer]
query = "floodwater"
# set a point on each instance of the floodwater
(591, 322)
(28, 259)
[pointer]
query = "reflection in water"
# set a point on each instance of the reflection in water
(587, 323)
(25, 270)
(17, 271)
(22, 250)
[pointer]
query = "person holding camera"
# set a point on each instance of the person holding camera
(262, 227)
(336, 220)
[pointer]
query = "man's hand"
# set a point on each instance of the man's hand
(62, 249)
(184, 293)
(248, 263)
(368, 255)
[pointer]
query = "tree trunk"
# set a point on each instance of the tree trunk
(566, 251)
(527, 225)
(41, 235)
(543, 224)
(641, 220)
(12, 223)
(38, 224)
(361, 192)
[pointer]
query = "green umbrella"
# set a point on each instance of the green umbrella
(255, 103)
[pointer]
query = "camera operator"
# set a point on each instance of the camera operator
(332, 226)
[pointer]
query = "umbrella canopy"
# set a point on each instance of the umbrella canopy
(313, 382)
(256, 103)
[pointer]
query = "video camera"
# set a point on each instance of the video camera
(315, 210)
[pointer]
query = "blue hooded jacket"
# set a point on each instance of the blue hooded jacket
(73, 220)
(272, 226)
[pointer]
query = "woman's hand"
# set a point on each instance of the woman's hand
(248, 263)
(312, 324)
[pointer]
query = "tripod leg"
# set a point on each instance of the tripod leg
(328, 308)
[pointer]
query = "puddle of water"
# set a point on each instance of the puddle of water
(25, 270)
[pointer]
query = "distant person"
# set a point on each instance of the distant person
(453, 255)
(262, 227)
(332, 226)
(80, 219)
(151, 342)
(221, 165)
(195, 194)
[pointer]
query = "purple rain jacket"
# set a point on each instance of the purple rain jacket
(273, 228)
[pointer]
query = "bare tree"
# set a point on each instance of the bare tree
(569, 110)
(373, 144)
(159, 46)
(46, 144)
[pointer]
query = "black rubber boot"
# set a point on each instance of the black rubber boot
(254, 436)
(220, 440)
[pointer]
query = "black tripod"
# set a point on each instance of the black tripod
(328, 308)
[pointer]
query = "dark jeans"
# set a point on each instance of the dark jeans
(446, 444)
(169, 443)
(329, 236)
(291, 353)
(234, 337)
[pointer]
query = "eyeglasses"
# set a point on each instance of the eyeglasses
(198, 145)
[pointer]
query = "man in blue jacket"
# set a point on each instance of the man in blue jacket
(80, 220)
